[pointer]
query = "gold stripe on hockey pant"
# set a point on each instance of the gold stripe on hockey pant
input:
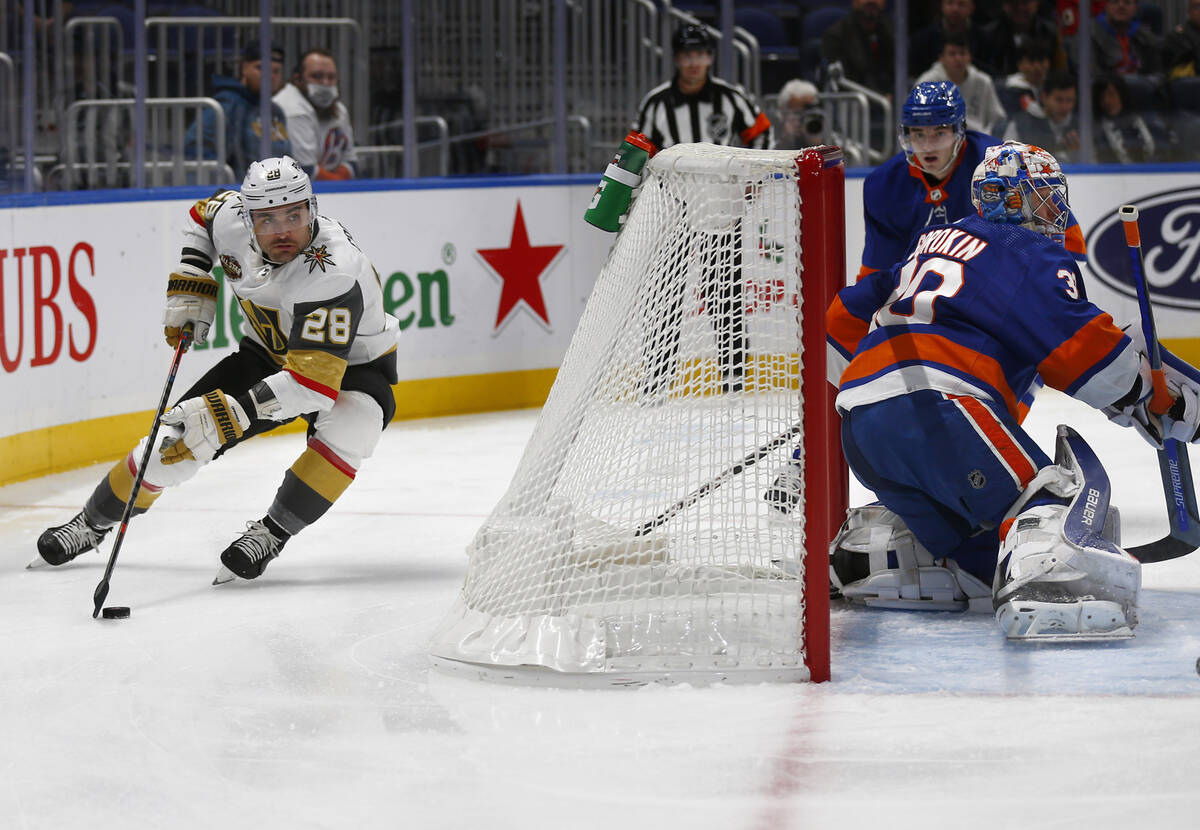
(323, 369)
(321, 471)
(120, 480)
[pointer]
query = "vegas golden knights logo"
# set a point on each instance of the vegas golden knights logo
(266, 323)
(318, 257)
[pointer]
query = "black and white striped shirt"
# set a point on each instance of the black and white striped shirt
(719, 113)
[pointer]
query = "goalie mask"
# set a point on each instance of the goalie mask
(277, 203)
(1021, 184)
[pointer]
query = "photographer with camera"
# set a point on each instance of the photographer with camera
(802, 121)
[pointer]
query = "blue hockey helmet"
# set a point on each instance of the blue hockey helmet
(930, 105)
(1022, 184)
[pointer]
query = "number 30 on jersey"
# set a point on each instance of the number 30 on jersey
(921, 283)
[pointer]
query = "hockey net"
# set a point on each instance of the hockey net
(670, 517)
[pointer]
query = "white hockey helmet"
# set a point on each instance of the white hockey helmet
(274, 182)
(1022, 184)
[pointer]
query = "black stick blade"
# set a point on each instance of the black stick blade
(1165, 548)
(99, 597)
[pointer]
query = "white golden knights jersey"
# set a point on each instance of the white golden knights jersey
(315, 315)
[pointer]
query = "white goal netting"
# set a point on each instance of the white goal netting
(655, 525)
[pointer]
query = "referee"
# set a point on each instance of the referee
(696, 107)
(693, 106)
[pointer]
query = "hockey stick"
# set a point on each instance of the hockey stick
(1173, 465)
(716, 481)
(185, 338)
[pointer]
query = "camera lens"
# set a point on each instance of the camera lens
(814, 122)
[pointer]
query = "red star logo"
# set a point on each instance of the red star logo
(520, 266)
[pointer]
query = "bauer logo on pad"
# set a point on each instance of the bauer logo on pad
(1170, 231)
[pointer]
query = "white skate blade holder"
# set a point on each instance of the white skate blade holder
(1048, 622)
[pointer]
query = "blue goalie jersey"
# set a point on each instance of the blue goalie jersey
(976, 310)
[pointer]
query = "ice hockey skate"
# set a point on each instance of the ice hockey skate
(249, 554)
(1062, 575)
(59, 545)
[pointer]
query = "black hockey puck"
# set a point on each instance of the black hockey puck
(115, 612)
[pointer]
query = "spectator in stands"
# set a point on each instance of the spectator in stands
(1024, 87)
(1050, 122)
(1121, 135)
(1181, 50)
(862, 42)
(984, 112)
(925, 45)
(240, 101)
(1019, 22)
(802, 119)
(318, 123)
(1121, 44)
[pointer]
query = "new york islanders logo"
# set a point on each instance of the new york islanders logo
(233, 269)
(317, 257)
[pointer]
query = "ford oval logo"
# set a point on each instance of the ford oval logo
(1170, 227)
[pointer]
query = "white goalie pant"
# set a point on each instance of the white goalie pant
(1061, 573)
(917, 581)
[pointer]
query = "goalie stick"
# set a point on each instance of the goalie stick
(1173, 464)
(185, 338)
(752, 458)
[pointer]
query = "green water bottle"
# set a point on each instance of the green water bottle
(614, 194)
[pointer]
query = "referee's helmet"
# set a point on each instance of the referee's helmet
(691, 37)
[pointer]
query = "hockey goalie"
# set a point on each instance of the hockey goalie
(934, 355)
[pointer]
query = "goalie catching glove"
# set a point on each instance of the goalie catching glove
(201, 426)
(191, 299)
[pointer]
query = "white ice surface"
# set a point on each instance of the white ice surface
(305, 699)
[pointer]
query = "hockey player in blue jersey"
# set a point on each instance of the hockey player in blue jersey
(929, 183)
(936, 350)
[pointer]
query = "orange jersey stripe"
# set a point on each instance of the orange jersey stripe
(1073, 241)
(864, 271)
(1009, 451)
(760, 126)
(931, 348)
(845, 329)
(1063, 366)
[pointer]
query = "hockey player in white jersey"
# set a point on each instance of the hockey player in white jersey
(317, 344)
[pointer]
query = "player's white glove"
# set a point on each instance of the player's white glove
(1132, 411)
(190, 299)
(198, 427)
(1182, 421)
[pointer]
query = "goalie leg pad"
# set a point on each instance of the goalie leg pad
(1061, 573)
(875, 560)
